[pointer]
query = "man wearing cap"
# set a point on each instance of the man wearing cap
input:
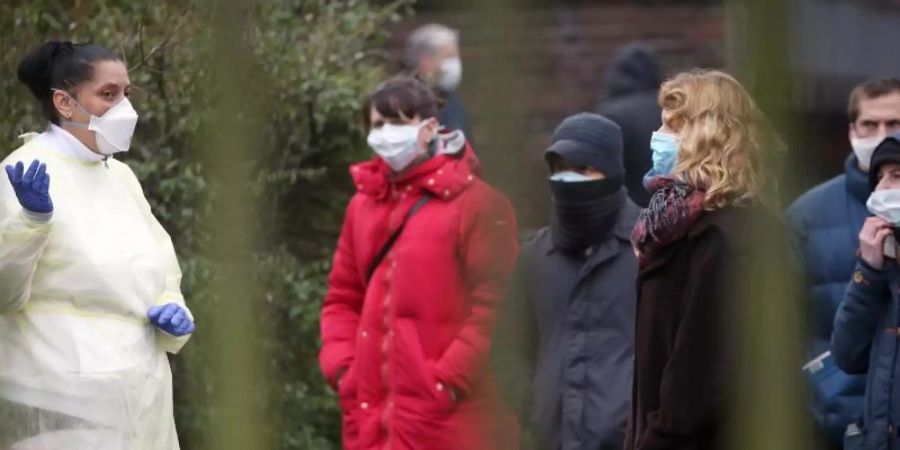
(565, 339)
(865, 338)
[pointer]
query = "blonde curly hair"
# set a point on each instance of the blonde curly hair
(726, 144)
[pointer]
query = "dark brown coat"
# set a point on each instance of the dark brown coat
(680, 391)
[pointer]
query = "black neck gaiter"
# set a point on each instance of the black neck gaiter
(585, 212)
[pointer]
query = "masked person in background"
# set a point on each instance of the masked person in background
(866, 326)
(565, 338)
(432, 52)
(90, 298)
(422, 264)
(825, 222)
(694, 243)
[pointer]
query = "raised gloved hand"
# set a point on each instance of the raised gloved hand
(171, 318)
(32, 186)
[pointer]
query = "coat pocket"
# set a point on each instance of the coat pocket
(854, 438)
(419, 374)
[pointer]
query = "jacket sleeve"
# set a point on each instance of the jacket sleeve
(856, 321)
(23, 238)
(514, 347)
(342, 306)
(692, 390)
(488, 255)
(172, 269)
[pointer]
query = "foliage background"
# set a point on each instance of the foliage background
(313, 61)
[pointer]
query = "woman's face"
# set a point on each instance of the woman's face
(428, 128)
(109, 86)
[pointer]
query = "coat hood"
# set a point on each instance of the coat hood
(634, 68)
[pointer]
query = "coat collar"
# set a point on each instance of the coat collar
(731, 221)
(621, 230)
(857, 180)
(444, 176)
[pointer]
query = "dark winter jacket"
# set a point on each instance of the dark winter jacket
(631, 87)
(866, 340)
(689, 298)
(564, 344)
(825, 223)
(454, 115)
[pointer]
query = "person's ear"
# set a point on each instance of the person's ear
(64, 104)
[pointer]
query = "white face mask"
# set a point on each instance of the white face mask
(569, 176)
(863, 149)
(397, 145)
(451, 74)
(886, 204)
(114, 129)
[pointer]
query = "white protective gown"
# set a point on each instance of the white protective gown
(81, 367)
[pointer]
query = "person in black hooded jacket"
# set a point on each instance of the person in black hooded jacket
(564, 340)
(631, 87)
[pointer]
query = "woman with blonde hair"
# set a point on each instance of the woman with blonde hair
(708, 187)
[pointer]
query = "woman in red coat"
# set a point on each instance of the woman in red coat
(406, 325)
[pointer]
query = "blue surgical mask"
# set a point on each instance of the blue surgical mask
(665, 153)
(569, 176)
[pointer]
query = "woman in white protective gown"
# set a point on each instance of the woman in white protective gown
(90, 298)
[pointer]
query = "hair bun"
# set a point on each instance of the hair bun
(36, 69)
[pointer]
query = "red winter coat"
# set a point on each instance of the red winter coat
(423, 323)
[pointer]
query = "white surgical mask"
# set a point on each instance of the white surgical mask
(863, 149)
(886, 204)
(397, 145)
(569, 176)
(451, 74)
(114, 129)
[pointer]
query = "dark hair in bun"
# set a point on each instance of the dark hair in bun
(60, 65)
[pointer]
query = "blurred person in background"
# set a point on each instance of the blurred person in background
(868, 319)
(825, 223)
(422, 264)
(631, 87)
(710, 197)
(565, 339)
(432, 52)
(90, 296)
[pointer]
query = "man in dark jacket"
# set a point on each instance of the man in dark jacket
(630, 88)
(825, 222)
(564, 343)
(432, 51)
(866, 324)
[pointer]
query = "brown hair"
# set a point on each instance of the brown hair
(725, 141)
(401, 97)
(869, 89)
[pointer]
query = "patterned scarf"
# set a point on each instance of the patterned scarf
(673, 209)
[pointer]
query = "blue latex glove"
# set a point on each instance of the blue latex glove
(32, 186)
(171, 318)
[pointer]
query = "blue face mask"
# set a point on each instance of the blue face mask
(665, 152)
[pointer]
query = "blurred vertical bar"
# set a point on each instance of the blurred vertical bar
(771, 411)
(233, 342)
(497, 88)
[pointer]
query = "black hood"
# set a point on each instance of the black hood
(634, 68)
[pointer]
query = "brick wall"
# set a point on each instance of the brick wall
(526, 70)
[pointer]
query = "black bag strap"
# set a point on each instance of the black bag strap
(386, 248)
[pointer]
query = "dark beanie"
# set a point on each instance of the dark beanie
(589, 140)
(888, 151)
